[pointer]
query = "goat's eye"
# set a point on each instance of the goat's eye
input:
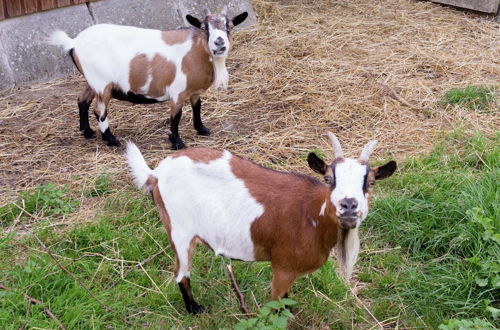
(371, 183)
(328, 179)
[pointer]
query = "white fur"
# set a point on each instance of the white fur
(204, 200)
(213, 34)
(323, 208)
(60, 38)
(103, 125)
(349, 175)
(221, 76)
(105, 52)
(348, 253)
(138, 167)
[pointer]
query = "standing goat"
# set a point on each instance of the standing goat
(244, 211)
(147, 66)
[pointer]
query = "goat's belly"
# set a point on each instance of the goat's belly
(234, 246)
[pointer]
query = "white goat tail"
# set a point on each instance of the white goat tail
(60, 38)
(138, 167)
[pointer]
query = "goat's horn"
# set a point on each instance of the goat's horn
(367, 150)
(206, 12)
(224, 10)
(337, 149)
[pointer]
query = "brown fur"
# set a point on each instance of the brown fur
(286, 233)
(77, 62)
(175, 36)
(138, 72)
(152, 182)
(87, 95)
(198, 68)
(163, 73)
(201, 155)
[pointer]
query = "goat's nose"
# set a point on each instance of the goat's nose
(349, 204)
(219, 41)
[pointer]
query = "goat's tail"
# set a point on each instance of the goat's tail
(60, 38)
(141, 173)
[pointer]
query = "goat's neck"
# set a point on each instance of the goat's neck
(327, 221)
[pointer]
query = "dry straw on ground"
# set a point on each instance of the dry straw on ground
(362, 69)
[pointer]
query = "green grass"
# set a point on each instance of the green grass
(430, 257)
(46, 200)
(477, 98)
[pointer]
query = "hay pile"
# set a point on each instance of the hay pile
(362, 69)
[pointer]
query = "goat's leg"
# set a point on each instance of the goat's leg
(198, 125)
(282, 282)
(184, 249)
(84, 102)
(175, 118)
(101, 115)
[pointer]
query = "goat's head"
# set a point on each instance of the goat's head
(351, 181)
(218, 29)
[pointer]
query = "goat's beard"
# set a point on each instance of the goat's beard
(221, 76)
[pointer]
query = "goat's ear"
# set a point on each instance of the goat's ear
(316, 163)
(240, 18)
(385, 171)
(193, 21)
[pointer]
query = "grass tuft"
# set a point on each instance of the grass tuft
(477, 98)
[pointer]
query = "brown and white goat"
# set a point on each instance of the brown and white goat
(244, 211)
(147, 66)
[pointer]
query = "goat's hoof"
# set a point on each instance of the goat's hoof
(195, 308)
(177, 143)
(203, 131)
(110, 138)
(88, 133)
(114, 143)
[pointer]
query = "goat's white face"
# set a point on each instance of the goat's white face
(218, 30)
(350, 191)
(351, 181)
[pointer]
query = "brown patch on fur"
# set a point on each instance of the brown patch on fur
(175, 36)
(103, 98)
(285, 233)
(87, 95)
(165, 219)
(138, 72)
(200, 155)
(76, 60)
(192, 247)
(198, 68)
(163, 73)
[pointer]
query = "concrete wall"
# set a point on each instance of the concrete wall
(25, 57)
(486, 6)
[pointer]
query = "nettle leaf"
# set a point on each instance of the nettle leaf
(288, 302)
(264, 311)
(274, 305)
(495, 312)
(481, 281)
(496, 282)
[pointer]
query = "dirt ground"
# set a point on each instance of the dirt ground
(362, 69)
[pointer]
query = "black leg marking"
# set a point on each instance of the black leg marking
(198, 125)
(174, 135)
(191, 305)
(84, 106)
(110, 138)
